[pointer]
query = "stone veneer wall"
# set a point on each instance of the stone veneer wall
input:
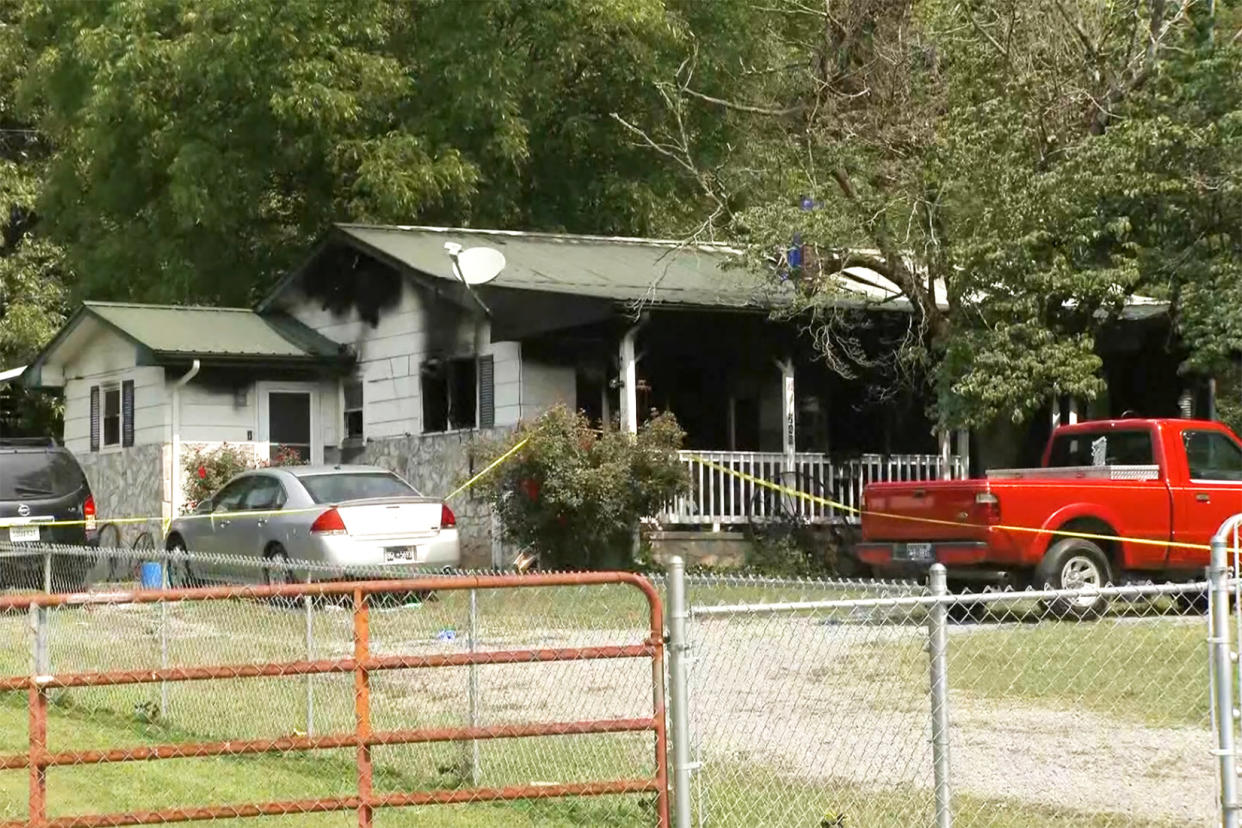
(436, 464)
(126, 484)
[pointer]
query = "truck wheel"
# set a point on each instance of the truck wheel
(1073, 563)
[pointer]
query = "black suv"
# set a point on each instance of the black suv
(41, 482)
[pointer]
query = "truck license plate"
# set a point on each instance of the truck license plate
(400, 553)
(24, 534)
(921, 552)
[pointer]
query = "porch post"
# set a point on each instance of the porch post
(946, 455)
(963, 450)
(788, 415)
(1073, 411)
(629, 381)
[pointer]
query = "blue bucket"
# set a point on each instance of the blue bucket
(153, 575)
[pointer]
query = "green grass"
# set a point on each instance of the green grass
(1150, 670)
(736, 797)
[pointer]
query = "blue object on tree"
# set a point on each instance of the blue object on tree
(794, 256)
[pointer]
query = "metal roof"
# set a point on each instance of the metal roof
(632, 270)
(612, 268)
(202, 331)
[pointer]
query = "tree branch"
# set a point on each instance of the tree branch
(741, 107)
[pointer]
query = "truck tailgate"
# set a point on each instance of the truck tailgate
(930, 510)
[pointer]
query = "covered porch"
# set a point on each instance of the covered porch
(757, 403)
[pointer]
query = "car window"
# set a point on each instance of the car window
(35, 474)
(1212, 456)
(338, 488)
(1103, 448)
(265, 494)
(229, 499)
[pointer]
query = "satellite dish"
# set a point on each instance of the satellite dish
(476, 265)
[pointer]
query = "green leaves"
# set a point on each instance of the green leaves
(576, 495)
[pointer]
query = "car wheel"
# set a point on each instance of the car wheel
(180, 576)
(280, 573)
(1074, 563)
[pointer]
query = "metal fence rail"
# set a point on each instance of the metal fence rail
(542, 696)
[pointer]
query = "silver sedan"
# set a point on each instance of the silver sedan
(339, 516)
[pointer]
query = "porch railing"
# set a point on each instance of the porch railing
(717, 498)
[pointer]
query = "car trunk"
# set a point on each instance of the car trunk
(391, 518)
(925, 511)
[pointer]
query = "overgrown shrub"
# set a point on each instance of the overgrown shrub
(576, 494)
(205, 471)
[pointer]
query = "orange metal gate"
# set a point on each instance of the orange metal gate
(362, 665)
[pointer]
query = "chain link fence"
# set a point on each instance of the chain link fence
(822, 712)
(809, 702)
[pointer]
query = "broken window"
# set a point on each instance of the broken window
(450, 394)
(353, 411)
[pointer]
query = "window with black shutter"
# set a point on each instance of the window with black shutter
(95, 418)
(127, 413)
(112, 416)
(449, 390)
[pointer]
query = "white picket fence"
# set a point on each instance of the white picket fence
(719, 498)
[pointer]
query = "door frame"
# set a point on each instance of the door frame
(264, 389)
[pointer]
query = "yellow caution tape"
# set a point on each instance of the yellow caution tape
(100, 522)
(499, 460)
(823, 501)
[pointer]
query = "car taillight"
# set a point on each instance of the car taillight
(329, 523)
(988, 506)
(448, 520)
(88, 512)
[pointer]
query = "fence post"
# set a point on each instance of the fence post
(164, 641)
(47, 570)
(310, 656)
(1222, 677)
(679, 690)
(472, 641)
(937, 648)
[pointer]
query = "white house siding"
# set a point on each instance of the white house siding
(545, 385)
(211, 414)
(110, 359)
(391, 354)
(507, 363)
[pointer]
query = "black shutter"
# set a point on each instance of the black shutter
(487, 392)
(127, 413)
(94, 418)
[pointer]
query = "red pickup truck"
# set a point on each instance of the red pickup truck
(1164, 482)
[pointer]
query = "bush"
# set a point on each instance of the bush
(575, 494)
(206, 471)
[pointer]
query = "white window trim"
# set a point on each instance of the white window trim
(104, 389)
(263, 389)
(362, 387)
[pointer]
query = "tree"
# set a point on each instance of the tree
(947, 146)
(33, 277)
(197, 148)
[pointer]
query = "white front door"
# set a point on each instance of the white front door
(289, 418)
